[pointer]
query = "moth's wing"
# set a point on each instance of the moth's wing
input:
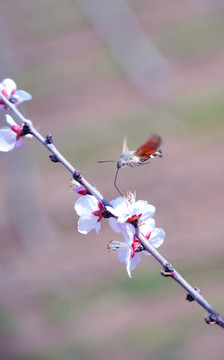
(149, 147)
(125, 146)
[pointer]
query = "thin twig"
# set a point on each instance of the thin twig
(168, 271)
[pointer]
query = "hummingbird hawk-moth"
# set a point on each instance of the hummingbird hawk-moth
(132, 158)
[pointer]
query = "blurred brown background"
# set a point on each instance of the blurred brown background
(99, 70)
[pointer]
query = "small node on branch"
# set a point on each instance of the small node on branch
(212, 319)
(54, 158)
(107, 214)
(77, 176)
(26, 129)
(168, 270)
(189, 297)
(49, 139)
(12, 100)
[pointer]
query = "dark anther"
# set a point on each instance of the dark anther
(26, 129)
(189, 297)
(211, 319)
(54, 158)
(49, 139)
(77, 175)
(168, 270)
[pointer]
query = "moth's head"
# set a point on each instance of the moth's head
(124, 159)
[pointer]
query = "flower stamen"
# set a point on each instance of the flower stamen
(134, 219)
(117, 245)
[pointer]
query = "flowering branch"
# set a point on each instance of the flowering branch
(132, 219)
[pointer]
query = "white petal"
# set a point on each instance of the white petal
(119, 207)
(87, 223)
(86, 205)
(128, 232)
(114, 225)
(7, 139)
(128, 262)
(120, 211)
(123, 253)
(123, 219)
(140, 204)
(98, 227)
(19, 143)
(147, 212)
(147, 226)
(112, 210)
(28, 136)
(135, 260)
(9, 85)
(150, 222)
(157, 237)
(116, 202)
(21, 95)
(10, 120)
(29, 122)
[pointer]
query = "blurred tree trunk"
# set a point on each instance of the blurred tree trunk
(23, 216)
(130, 45)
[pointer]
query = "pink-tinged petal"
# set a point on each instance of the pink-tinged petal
(147, 226)
(9, 85)
(86, 223)
(86, 205)
(21, 95)
(10, 120)
(7, 139)
(19, 143)
(156, 239)
(81, 190)
(18, 129)
(135, 260)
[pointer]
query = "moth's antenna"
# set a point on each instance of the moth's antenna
(115, 179)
